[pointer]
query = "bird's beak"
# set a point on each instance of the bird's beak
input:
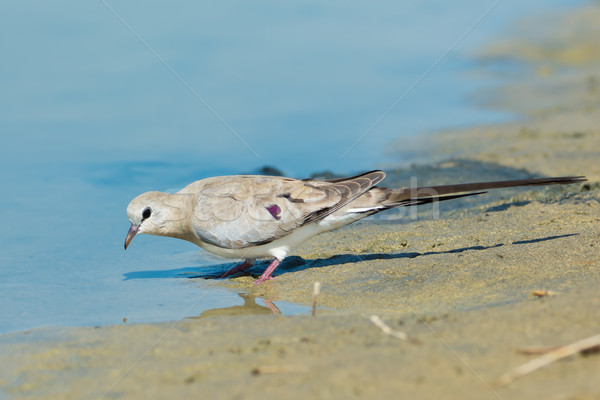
(132, 231)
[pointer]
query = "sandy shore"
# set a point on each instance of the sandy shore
(460, 284)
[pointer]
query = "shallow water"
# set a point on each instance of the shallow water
(91, 117)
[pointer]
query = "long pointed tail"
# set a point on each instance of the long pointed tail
(429, 194)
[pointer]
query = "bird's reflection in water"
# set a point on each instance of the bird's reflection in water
(250, 307)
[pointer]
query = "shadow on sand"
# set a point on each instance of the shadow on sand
(295, 263)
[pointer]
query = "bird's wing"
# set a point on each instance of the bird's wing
(247, 210)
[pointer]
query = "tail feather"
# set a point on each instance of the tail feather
(378, 199)
(428, 194)
(426, 200)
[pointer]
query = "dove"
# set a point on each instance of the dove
(255, 216)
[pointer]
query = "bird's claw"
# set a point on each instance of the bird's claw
(261, 280)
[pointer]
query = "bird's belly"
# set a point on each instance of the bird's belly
(280, 248)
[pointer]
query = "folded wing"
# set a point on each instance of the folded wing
(246, 210)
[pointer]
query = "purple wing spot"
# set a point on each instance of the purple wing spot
(274, 210)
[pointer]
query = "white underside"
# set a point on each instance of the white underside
(280, 248)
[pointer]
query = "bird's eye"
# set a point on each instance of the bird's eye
(146, 213)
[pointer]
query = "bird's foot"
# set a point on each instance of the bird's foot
(266, 276)
(261, 280)
(238, 268)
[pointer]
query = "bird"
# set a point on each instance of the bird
(258, 216)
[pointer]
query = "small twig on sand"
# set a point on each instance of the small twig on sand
(389, 331)
(529, 350)
(278, 369)
(542, 293)
(550, 357)
(316, 291)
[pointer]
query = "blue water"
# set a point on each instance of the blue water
(99, 105)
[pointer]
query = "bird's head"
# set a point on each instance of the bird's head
(156, 213)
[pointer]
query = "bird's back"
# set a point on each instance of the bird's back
(241, 211)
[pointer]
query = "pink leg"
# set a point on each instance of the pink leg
(272, 307)
(238, 268)
(267, 274)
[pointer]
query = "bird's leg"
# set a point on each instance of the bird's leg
(267, 274)
(238, 268)
(272, 307)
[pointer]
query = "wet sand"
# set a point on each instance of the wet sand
(460, 284)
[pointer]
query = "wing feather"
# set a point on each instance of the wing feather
(239, 211)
